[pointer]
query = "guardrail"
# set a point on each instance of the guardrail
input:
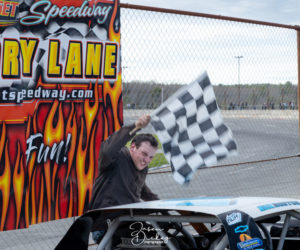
(256, 114)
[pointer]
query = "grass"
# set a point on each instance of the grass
(159, 159)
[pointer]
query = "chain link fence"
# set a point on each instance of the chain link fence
(253, 68)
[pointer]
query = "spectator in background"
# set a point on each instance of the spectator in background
(272, 105)
(292, 105)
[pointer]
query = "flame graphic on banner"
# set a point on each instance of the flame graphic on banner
(53, 178)
(114, 94)
(44, 191)
(85, 178)
(5, 177)
(30, 192)
(71, 129)
(52, 134)
(18, 183)
(114, 36)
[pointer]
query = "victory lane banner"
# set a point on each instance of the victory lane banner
(60, 97)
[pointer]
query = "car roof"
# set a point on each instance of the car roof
(256, 207)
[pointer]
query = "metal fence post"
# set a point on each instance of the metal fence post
(298, 68)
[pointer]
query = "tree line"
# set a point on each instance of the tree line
(149, 95)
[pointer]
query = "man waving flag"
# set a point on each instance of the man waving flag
(191, 130)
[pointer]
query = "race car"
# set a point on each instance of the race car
(202, 223)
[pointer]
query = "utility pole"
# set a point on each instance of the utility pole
(239, 79)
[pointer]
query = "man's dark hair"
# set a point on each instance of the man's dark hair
(138, 139)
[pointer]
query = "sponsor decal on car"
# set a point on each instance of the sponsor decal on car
(249, 244)
(241, 229)
(245, 237)
(234, 218)
(263, 208)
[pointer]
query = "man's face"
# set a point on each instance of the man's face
(142, 155)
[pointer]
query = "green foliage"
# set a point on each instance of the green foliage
(147, 95)
(158, 160)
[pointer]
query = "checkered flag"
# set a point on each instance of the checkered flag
(191, 130)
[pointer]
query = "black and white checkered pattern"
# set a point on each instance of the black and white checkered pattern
(64, 33)
(191, 130)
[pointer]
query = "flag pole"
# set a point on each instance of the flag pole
(133, 131)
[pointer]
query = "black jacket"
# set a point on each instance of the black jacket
(118, 181)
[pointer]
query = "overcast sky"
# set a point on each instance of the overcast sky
(269, 54)
(277, 11)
